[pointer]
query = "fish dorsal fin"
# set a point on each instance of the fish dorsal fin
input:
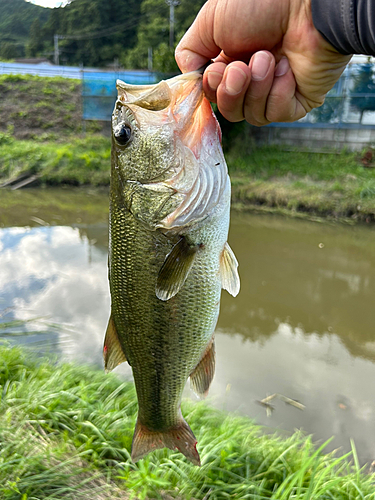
(112, 351)
(153, 97)
(201, 377)
(175, 269)
(230, 279)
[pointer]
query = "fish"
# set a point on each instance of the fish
(168, 253)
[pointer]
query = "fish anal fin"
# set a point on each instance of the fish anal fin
(175, 269)
(180, 437)
(230, 279)
(112, 351)
(201, 377)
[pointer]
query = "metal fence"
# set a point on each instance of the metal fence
(40, 70)
(350, 104)
(98, 87)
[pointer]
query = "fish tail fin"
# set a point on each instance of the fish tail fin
(180, 437)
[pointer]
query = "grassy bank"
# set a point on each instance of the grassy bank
(41, 108)
(302, 182)
(66, 431)
(266, 178)
(80, 161)
(41, 135)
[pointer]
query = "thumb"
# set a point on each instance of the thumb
(197, 46)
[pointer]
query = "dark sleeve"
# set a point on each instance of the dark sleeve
(348, 25)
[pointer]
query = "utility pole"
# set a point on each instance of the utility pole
(56, 57)
(149, 59)
(172, 4)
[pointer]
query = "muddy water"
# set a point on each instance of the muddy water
(302, 326)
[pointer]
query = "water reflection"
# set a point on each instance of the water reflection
(56, 273)
(301, 326)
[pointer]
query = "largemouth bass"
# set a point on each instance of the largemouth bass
(168, 254)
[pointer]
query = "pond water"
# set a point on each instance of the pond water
(302, 326)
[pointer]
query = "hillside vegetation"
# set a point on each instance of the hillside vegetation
(16, 19)
(95, 32)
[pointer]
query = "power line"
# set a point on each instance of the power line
(119, 28)
(108, 31)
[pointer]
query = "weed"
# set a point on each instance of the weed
(66, 430)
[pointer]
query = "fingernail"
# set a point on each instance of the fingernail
(214, 79)
(235, 80)
(260, 66)
(282, 67)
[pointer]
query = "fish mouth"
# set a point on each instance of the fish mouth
(157, 97)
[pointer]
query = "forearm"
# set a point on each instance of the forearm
(349, 25)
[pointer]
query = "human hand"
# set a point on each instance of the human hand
(271, 64)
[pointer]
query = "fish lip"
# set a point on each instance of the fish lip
(128, 87)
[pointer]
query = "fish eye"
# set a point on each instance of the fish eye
(122, 134)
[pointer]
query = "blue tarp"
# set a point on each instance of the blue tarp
(99, 90)
(98, 87)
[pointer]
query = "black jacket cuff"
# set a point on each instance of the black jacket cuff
(348, 25)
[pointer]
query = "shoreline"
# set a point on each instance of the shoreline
(268, 179)
(244, 199)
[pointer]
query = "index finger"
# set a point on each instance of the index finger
(197, 46)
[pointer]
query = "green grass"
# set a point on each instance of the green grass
(41, 108)
(41, 133)
(84, 160)
(66, 431)
(327, 184)
(323, 184)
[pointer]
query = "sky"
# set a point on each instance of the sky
(49, 3)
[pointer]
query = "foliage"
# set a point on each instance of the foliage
(330, 111)
(80, 161)
(153, 32)
(63, 425)
(96, 32)
(364, 84)
(16, 19)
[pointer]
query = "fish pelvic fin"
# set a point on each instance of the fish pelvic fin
(175, 269)
(201, 377)
(113, 353)
(180, 437)
(230, 279)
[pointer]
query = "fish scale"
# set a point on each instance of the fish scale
(166, 272)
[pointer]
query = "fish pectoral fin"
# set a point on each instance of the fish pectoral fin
(180, 437)
(230, 279)
(112, 351)
(201, 377)
(175, 269)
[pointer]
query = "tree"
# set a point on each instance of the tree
(35, 44)
(9, 50)
(153, 31)
(364, 90)
(16, 19)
